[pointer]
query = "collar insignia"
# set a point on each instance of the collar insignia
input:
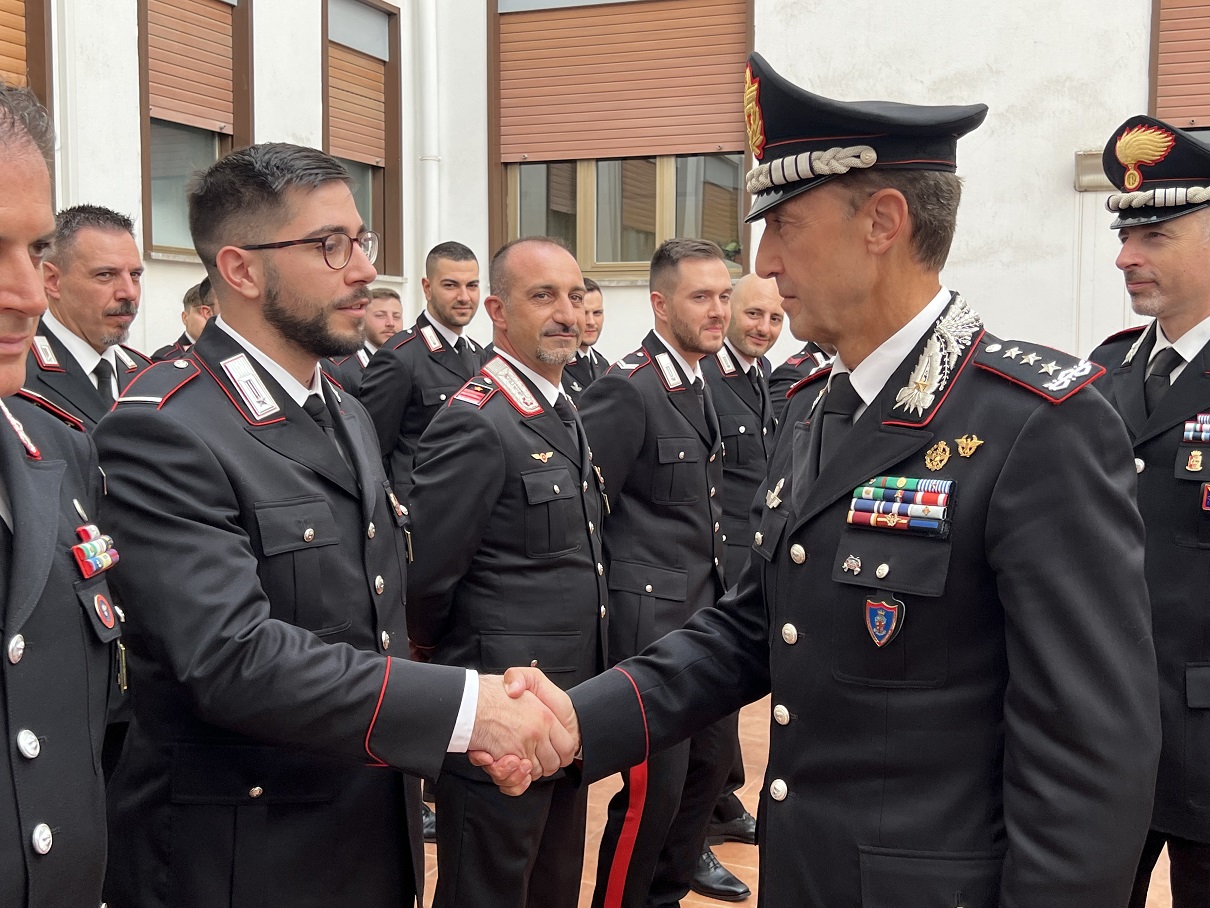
(725, 362)
(250, 386)
(431, 340)
(1142, 145)
(363, 357)
(671, 378)
(952, 335)
(45, 354)
(125, 358)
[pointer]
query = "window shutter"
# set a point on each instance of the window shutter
(13, 62)
(189, 61)
(356, 105)
(1182, 67)
(656, 77)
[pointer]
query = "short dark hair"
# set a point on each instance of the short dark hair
(380, 293)
(932, 199)
(451, 251)
(239, 199)
(193, 298)
(666, 262)
(23, 120)
(591, 286)
(498, 275)
(70, 221)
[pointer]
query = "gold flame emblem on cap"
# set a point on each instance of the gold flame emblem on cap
(752, 115)
(1142, 145)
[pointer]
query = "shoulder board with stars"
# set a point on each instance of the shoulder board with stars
(158, 382)
(1049, 373)
(512, 387)
(409, 335)
(632, 362)
(476, 392)
(53, 409)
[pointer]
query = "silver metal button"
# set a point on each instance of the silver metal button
(743, 429)
(28, 744)
(882, 570)
(682, 455)
(716, 562)
(993, 348)
(798, 554)
(600, 569)
(16, 648)
(760, 537)
(781, 715)
(379, 584)
(602, 611)
(533, 663)
(404, 509)
(443, 397)
(255, 791)
(556, 488)
(778, 790)
(591, 528)
(764, 431)
(647, 588)
(371, 530)
(716, 527)
(1139, 466)
(712, 456)
(42, 839)
(789, 633)
(180, 364)
(308, 534)
(386, 640)
(584, 486)
(712, 491)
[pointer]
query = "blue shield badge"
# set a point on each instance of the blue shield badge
(883, 620)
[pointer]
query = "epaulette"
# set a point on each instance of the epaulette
(408, 335)
(330, 376)
(339, 360)
(158, 382)
(53, 409)
(512, 387)
(1047, 372)
(631, 362)
(810, 378)
(475, 392)
(796, 359)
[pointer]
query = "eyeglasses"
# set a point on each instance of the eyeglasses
(337, 247)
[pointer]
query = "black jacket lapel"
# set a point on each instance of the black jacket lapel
(1127, 382)
(1189, 394)
(72, 384)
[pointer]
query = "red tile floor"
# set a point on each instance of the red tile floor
(741, 859)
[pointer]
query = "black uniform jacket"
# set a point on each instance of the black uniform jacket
(1173, 464)
(263, 582)
(58, 638)
(582, 372)
(999, 749)
(347, 371)
(792, 371)
(661, 461)
(175, 350)
(747, 427)
(53, 373)
(410, 378)
(506, 515)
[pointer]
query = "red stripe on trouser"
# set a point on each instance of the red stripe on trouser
(637, 787)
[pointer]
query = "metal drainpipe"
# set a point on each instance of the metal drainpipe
(428, 172)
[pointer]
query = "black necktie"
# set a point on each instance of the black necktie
(762, 392)
(565, 412)
(463, 349)
(315, 407)
(699, 390)
(104, 374)
(839, 405)
(1158, 381)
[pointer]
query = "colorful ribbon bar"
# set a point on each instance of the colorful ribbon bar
(868, 493)
(902, 509)
(895, 522)
(907, 483)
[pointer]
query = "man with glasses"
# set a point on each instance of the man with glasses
(277, 711)
(199, 308)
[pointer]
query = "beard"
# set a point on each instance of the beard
(689, 337)
(119, 335)
(310, 332)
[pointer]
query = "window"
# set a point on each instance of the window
(1180, 62)
(613, 213)
(193, 53)
(25, 45)
(362, 115)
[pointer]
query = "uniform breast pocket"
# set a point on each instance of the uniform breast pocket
(437, 397)
(678, 474)
(1192, 505)
(929, 878)
(552, 502)
(299, 539)
(742, 443)
(889, 624)
(554, 653)
(101, 627)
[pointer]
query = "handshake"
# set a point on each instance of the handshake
(525, 728)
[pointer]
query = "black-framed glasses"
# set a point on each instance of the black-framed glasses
(337, 247)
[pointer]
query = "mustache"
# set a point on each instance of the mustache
(359, 296)
(1132, 276)
(126, 307)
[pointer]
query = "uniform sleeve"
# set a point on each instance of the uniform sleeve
(386, 390)
(458, 477)
(1081, 707)
(614, 418)
(189, 576)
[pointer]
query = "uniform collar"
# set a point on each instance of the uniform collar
(81, 351)
(549, 391)
(693, 372)
(1189, 344)
(291, 385)
(451, 336)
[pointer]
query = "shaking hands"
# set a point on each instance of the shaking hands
(525, 728)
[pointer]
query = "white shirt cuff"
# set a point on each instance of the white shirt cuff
(460, 740)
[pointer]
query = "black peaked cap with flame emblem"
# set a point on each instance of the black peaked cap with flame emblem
(802, 139)
(1162, 172)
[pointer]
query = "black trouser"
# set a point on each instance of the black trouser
(1190, 870)
(729, 807)
(496, 851)
(656, 826)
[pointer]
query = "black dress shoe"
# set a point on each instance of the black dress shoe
(428, 822)
(742, 829)
(715, 881)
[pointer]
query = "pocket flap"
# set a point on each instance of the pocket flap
(678, 450)
(542, 486)
(1197, 685)
(648, 580)
(907, 564)
(734, 424)
(970, 879)
(97, 602)
(552, 652)
(433, 397)
(250, 774)
(300, 523)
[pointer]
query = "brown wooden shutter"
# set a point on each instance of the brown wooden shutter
(189, 59)
(13, 62)
(1182, 67)
(356, 105)
(619, 80)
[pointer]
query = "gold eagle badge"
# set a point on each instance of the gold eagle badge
(752, 115)
(1142, 145)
